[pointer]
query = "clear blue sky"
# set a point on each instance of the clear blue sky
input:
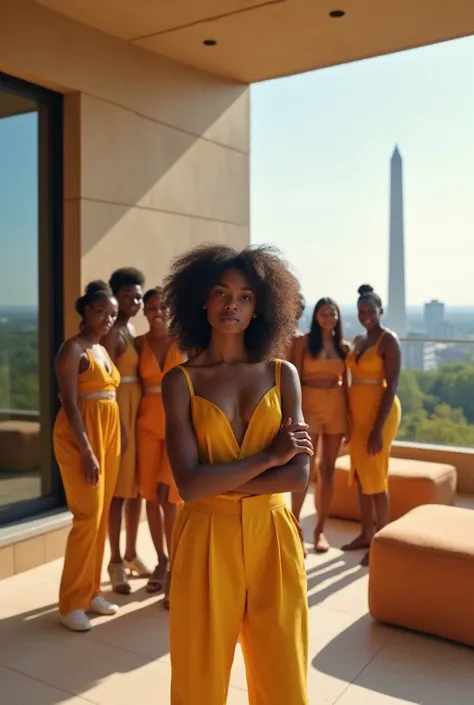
(321, 145)
(19, 210)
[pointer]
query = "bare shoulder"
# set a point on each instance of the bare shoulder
(289, 374)
(300, 341)
(114, 342)
(71, 348)
(390, 340)
(174, 381)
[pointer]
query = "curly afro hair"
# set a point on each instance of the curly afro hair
(276, 289)
(125, 276)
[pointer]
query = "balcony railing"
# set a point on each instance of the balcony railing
(436, 386)
(437, 392)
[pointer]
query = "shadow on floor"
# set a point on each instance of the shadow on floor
(403, 665)
(345, 568)
(35, 644)
(347, 529)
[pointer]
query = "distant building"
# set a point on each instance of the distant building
(396, 314)
(418, 354)
(434, 318)
(446, 330)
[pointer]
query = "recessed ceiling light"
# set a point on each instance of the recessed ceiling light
(209, 42)
(335, 14)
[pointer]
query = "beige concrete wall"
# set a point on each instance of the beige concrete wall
(156, 153)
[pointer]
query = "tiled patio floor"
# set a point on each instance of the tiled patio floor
(125, 659)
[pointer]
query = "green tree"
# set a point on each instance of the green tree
(454, 385)
(411, 396)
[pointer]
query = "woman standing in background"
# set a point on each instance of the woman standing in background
(158, 354)
(126, 285)
(319, 357)
(374, 364)
(87, 444)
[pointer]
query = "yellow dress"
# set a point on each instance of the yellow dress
(237, 570)
(365, 396)
(153, 464)
(128, 396)
(89, 505)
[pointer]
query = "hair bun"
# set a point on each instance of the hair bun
(365, 289)
(96, 287)
(92, 291)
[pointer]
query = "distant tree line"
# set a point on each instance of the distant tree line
(19, 371)
(438, 406)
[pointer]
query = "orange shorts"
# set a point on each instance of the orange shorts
(325, 411)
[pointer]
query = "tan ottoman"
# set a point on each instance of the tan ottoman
(19, 445)
(422, 573)
(411, 483)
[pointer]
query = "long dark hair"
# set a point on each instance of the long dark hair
(315, 339)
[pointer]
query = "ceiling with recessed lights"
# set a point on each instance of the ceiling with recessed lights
(254, 40)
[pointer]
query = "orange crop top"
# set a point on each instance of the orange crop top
(322, 368)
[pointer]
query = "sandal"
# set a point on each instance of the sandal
(156, 580)
(118, 578)
(136, 567)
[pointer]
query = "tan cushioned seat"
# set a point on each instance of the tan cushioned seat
(19, 445)
(422, 572)
(411, 483)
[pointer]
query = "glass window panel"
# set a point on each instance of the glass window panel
(27, 472)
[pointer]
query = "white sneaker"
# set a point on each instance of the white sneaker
(76, 620)
(99, 605)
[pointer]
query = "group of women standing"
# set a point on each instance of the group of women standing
(241, 427)
(109, 441)
(349, 395)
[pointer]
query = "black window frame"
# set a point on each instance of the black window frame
(50, 286)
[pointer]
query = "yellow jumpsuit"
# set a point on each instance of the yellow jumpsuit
(153, 463)
(128, 396)
(80, 580)
(237, 571)
(365, 396)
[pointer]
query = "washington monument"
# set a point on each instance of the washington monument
(397, 315)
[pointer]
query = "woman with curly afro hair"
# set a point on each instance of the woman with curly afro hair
(237, 441)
